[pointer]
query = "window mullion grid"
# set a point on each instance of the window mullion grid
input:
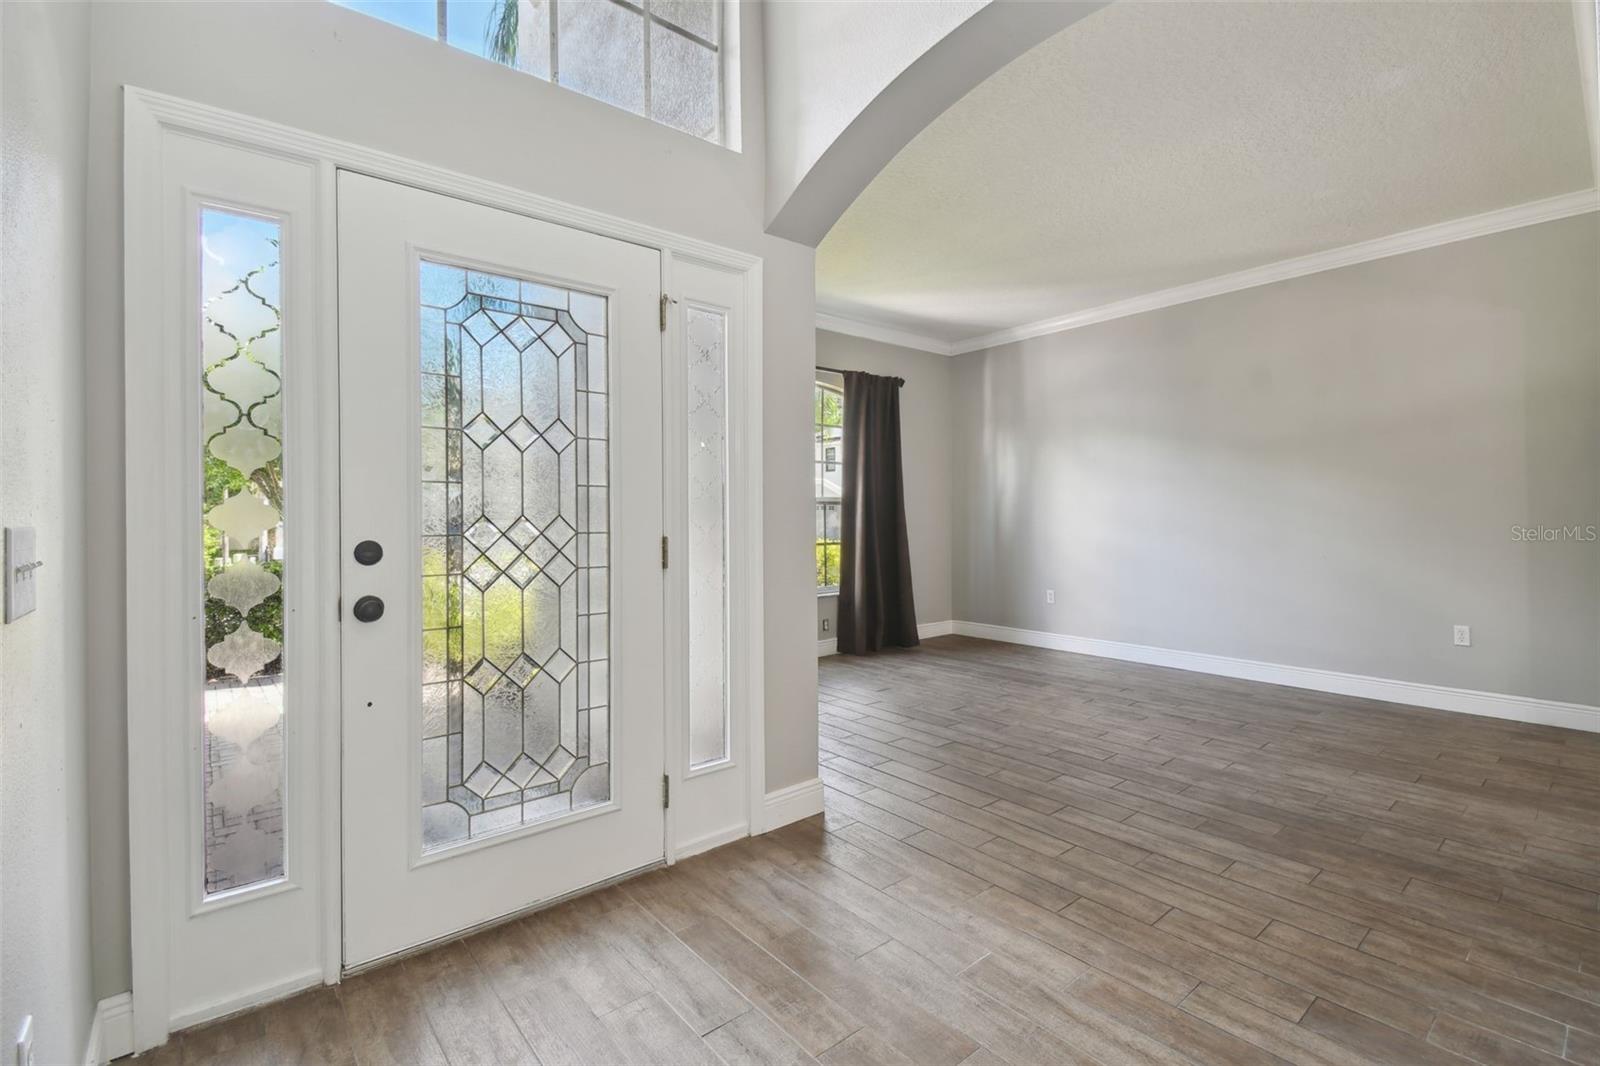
(687, 35)
(824, 503)
(649, 20)
(555, 45)
(722, 73)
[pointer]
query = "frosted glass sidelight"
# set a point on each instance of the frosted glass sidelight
(707, 353)
(515, 620)
(242, 536)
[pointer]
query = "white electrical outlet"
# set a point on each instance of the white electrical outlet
(1463, 636)
(1049, 595)
(25, 1042)
(827, 624)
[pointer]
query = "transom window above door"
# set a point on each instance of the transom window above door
(663, 59)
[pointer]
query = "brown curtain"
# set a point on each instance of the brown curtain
(876, 608)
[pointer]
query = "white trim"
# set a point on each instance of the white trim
(875, 331)
(176, 113)
(827, 647)
(1586, 23)
(148, 116)
(255, 997)
(704, 798)
(111, 1034)
(331, 660)
(167, 178)
(147, 748)
(749, 642)
(707, 841)
(1415, 240)
(1529, 214)
(793, 803)
(1411, 693)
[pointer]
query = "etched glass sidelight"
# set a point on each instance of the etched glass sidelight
(242, 533)
(515, 718)
(706, 351)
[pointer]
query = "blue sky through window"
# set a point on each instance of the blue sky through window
(466, 21)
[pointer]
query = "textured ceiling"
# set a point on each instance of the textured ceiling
(1154, 144)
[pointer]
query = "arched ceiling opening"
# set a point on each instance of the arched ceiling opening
(1153, 145)
(849, 84)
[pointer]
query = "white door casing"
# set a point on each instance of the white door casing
(194, 964)
(398, 893)
(205, 949)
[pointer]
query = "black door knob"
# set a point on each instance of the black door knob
(368, 609)
(368, 552)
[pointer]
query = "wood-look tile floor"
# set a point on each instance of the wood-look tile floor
(1035, 857)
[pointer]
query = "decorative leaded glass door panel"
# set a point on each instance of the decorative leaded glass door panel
(502, 507)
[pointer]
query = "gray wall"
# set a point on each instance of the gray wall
(1323, 472)
(44, 852)
(926, 458)
(324, 68)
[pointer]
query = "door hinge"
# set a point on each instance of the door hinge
(665, 299)
(666, 791)
(663, 553)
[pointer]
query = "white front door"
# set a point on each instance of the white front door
(501, 441)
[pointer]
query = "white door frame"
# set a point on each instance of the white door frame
(159, 661)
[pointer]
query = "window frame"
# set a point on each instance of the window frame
(826, 381)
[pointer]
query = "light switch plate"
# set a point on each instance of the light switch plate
(22, 569)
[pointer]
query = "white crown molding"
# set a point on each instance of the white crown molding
(1409, 693)
(874, 331)
(1414, 240)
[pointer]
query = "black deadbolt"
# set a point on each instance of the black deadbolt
(368, 609)
(368, 552)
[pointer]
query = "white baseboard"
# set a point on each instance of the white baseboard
(924, 631)
(1413, 693)
(792, 804)
(707, 841)
(111, 1033)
